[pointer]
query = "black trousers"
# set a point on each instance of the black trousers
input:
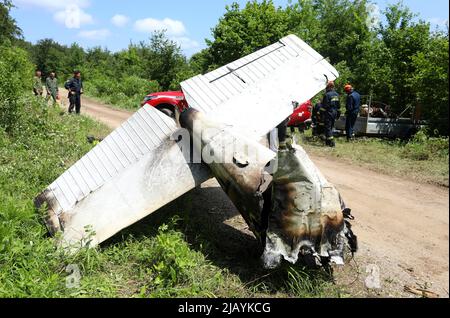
(329, 121)
(350, 124)
(75, 102)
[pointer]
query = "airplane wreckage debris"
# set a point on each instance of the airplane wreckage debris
(152, 159)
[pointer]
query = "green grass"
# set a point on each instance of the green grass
(119, 101)
(125, 93)
(172, 253)
(422, 159)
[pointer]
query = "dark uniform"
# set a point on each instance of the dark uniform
(352, 106)
(75, 87)
(318, 125)
(328, 113)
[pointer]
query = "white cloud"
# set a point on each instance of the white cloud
(175, 30)
(440, 22)
(52, 5)
(186, 43)
(99, 34)
(119, 20)
(73, 17)
(149, 25)
(67, 12)
(373, 18)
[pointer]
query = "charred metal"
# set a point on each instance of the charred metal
(293, 212)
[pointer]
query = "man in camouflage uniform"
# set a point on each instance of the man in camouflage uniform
(51, 84)
(37, 84)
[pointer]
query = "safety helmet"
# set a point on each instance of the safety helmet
(348, 88)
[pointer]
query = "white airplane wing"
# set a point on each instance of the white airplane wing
(255, 93)
(138, 168)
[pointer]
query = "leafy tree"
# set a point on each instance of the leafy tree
(74, 59)
(430, 81)
(303, 20)
(200, 62)
(182, 75)
(130, 61)
(98, 62)
(15, 79)
(162, 59)
(402, 39)
(49, 55)
(241, 32)
(344, 29)
(159, 60)
(9, 31)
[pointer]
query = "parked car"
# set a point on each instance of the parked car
(168, 102)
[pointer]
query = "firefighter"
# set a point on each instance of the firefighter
(352, 106)
(75, 88)
(51, 84)
(317, 123)
(329, 112)
(37, 84)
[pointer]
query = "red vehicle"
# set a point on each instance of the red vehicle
(301, 117)
(167, 102)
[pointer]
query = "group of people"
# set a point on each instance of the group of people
(324, 114)
(328, 111)
(51, 86)
(74, 86)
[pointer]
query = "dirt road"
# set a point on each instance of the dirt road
(112, 117)
(403, 226)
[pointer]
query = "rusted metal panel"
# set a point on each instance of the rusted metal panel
(307, 217)
(238, 163)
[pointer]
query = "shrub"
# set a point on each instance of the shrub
(422, 147)
(180, 77)
(15, 78)
(127, 92)
(133, 85)
(103, 86)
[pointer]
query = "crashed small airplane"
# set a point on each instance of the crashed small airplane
(153, 159)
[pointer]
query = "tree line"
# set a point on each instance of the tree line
(397, 58)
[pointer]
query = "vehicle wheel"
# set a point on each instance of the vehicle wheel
(168, 112)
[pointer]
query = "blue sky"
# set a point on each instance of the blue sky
(114, 23)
